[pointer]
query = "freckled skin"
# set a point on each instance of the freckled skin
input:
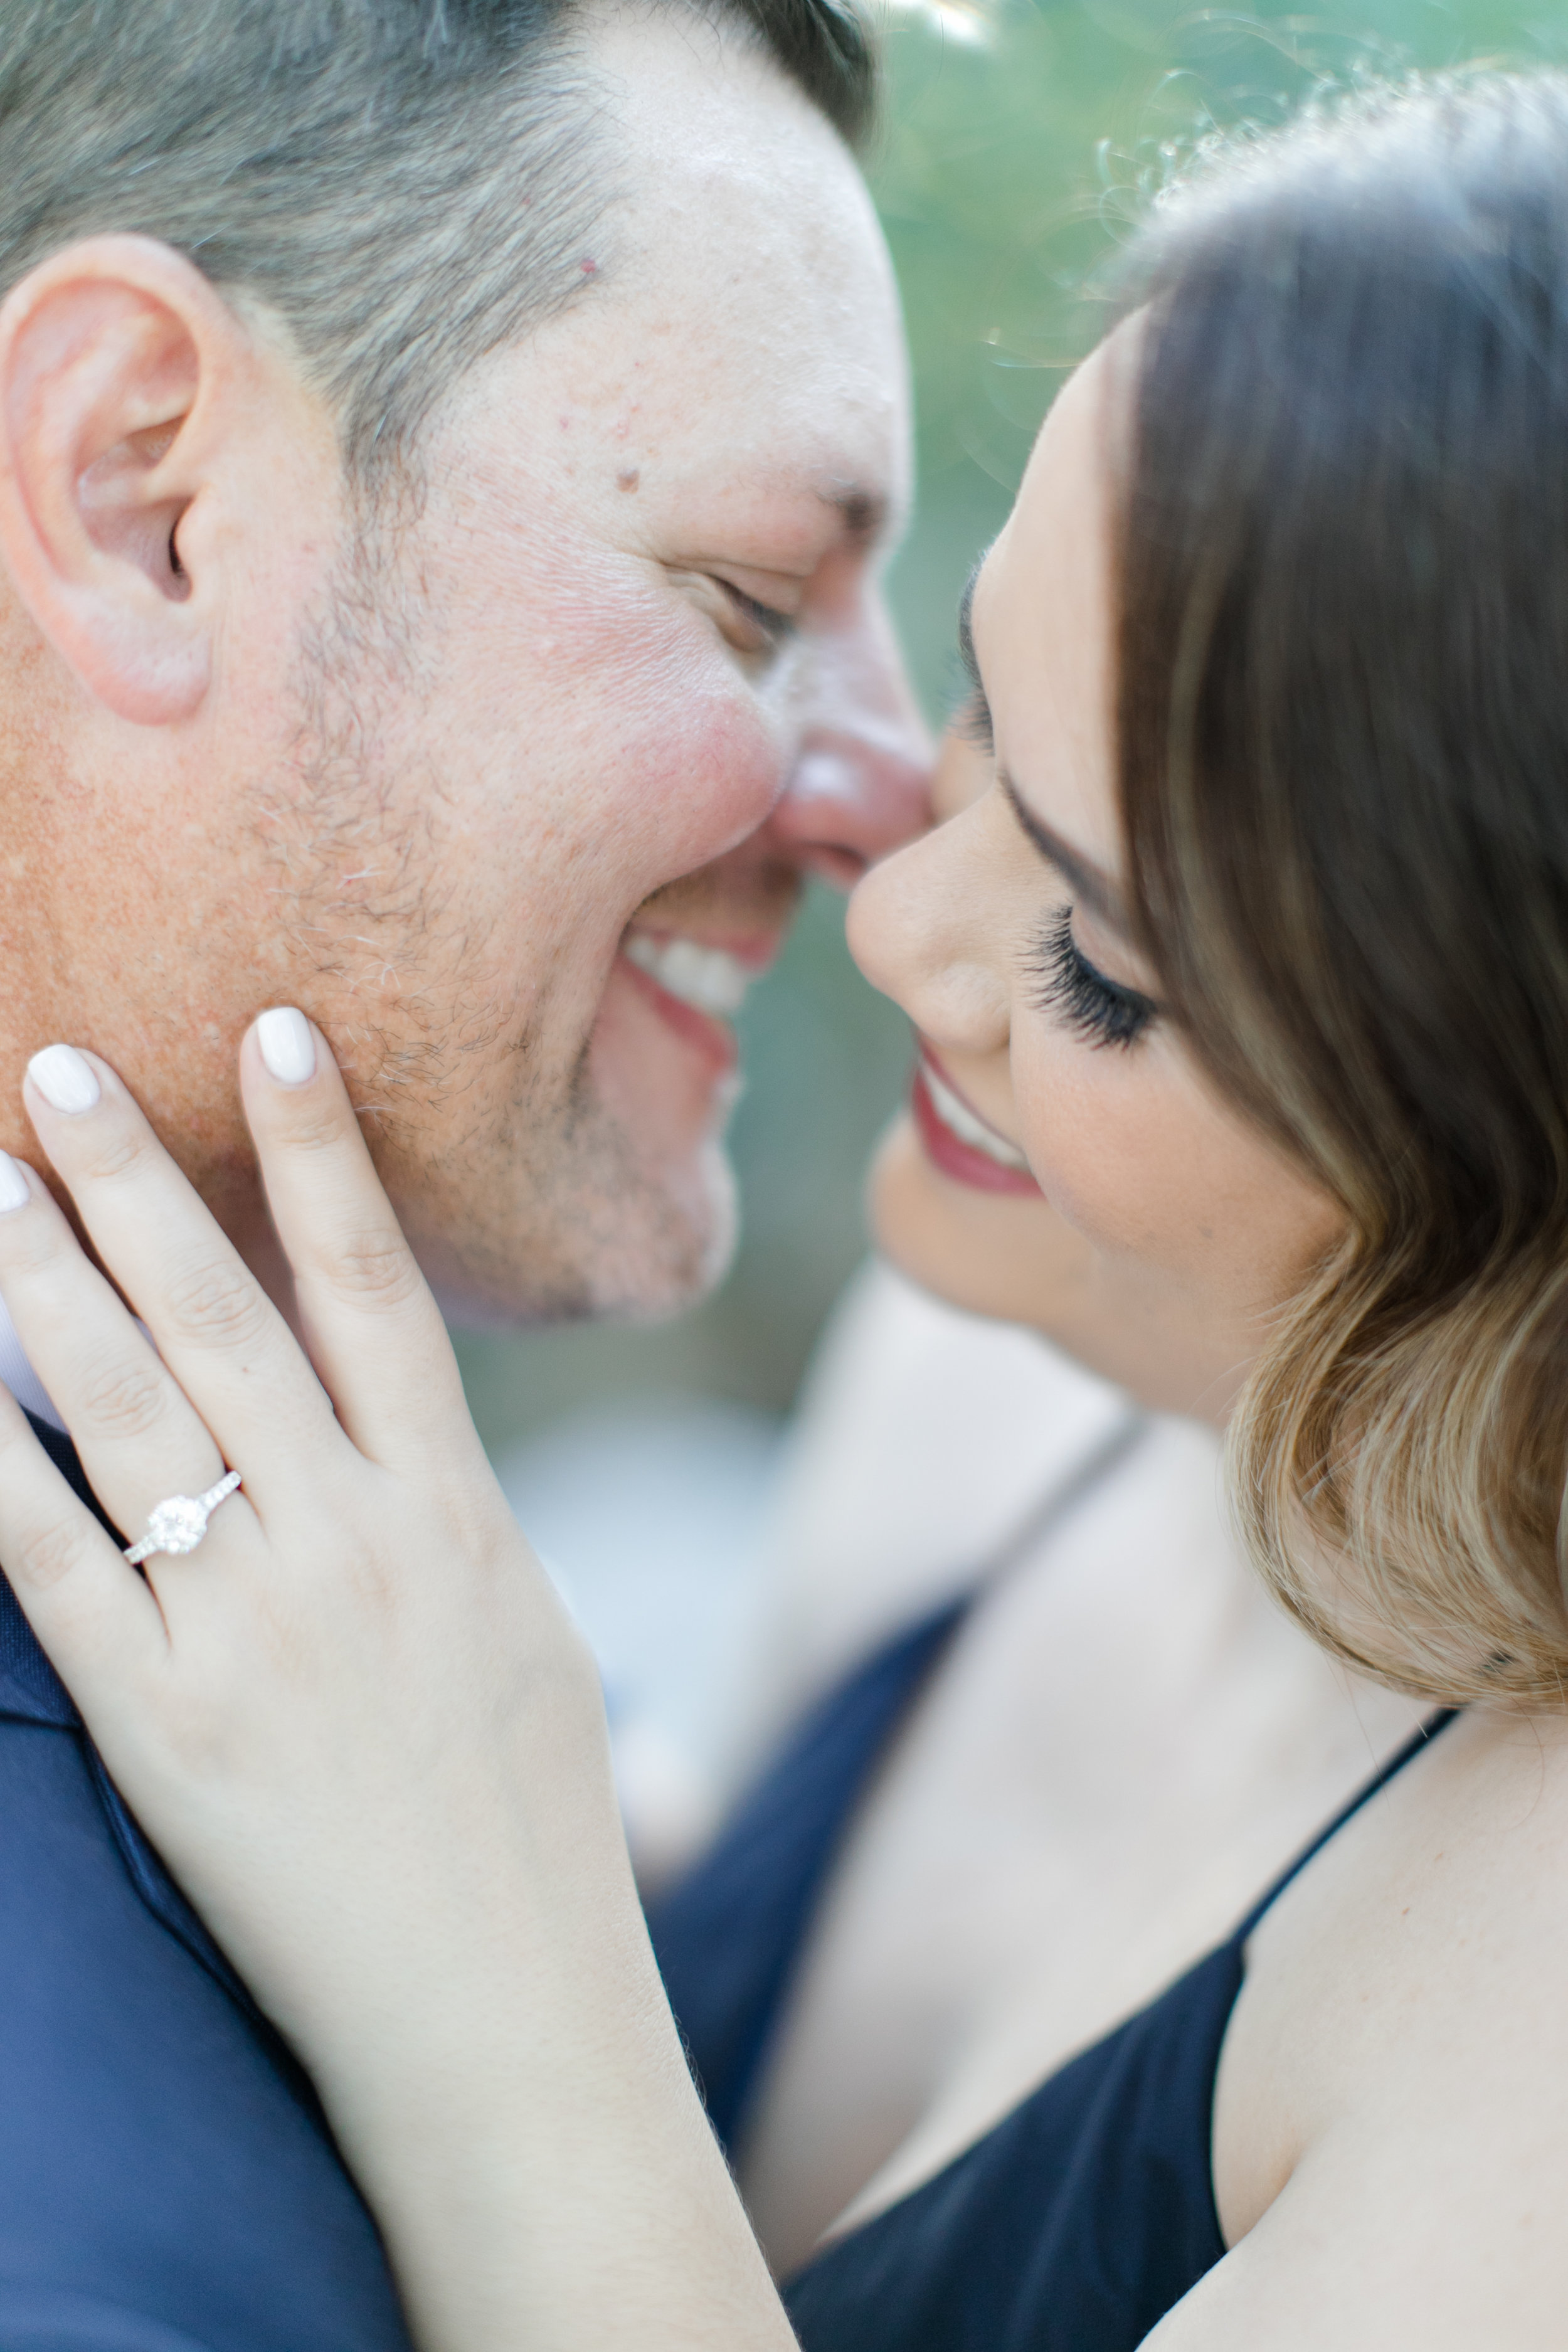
(434, 776)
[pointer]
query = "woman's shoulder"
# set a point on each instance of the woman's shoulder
(1397, 2053)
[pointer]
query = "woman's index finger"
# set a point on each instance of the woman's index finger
(376, 1334)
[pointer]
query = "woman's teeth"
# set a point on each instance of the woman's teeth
(957, 1115)
(708, 978)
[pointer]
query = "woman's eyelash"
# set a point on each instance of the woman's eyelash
(1100, 1010)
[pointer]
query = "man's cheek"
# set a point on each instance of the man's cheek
(704, 784)
(669, 1106)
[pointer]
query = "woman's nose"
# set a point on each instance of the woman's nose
(861, 786)
(918, 931)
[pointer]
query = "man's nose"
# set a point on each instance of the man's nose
(861, 786)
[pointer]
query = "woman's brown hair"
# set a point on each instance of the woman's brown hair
(1343, 746)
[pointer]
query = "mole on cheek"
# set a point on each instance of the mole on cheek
(628, 479)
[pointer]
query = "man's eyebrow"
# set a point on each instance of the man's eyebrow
(1087, 880)
(864, 513)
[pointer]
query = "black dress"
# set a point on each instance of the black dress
(1076, 2223)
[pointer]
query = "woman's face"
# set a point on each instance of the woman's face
(1064, 1162)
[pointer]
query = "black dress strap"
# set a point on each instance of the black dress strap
(1086, 2214)
(729, 1936)
(1380, 1779)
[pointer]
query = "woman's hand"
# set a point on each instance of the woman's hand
(356, 1720)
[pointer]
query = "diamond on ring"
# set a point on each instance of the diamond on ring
(178, 1523)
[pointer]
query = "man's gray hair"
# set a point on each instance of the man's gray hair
(407, 184)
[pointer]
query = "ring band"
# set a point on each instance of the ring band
(180, 1523)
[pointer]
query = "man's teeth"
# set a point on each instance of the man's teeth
(969, 1129)
(708, 978)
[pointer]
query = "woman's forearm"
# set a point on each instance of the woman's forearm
(528, 2134)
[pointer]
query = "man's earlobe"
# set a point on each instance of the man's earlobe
(110, 352)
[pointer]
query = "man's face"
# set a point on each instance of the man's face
(514, 794)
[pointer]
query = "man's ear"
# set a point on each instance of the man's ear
(118, 361)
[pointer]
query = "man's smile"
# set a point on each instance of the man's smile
(698, 985)
(711, 979)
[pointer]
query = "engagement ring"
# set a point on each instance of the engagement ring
(179, 1524)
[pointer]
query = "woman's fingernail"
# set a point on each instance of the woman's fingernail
(15, 1190)
(65, 1078)
(287, 1048)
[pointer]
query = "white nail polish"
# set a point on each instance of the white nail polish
(286, 1045)
(15, 1190)
(64, 1077)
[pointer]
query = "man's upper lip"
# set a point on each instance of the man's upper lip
(756, 949)
(940, 1066)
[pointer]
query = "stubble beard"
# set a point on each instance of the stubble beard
(524, 1198)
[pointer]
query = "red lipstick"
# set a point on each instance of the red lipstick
(965, 1162)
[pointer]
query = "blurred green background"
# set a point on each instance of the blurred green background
(1016, 136)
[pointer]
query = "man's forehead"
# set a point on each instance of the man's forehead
(732, 194)
(821, 439)
(740, 339)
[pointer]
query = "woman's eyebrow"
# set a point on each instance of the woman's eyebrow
(1088, 881)
(966, 653)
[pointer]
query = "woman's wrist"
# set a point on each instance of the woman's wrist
(498, 2059)
(541, 2130)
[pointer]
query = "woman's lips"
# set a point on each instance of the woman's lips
(978, 1157)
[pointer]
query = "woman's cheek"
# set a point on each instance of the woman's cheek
(1104, 1149)
(1169, 1185)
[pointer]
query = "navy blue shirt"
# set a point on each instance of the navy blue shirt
(167, 2180)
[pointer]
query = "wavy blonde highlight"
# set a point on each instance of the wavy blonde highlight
(1343, 559)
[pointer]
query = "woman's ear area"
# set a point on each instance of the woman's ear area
(121, 369)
